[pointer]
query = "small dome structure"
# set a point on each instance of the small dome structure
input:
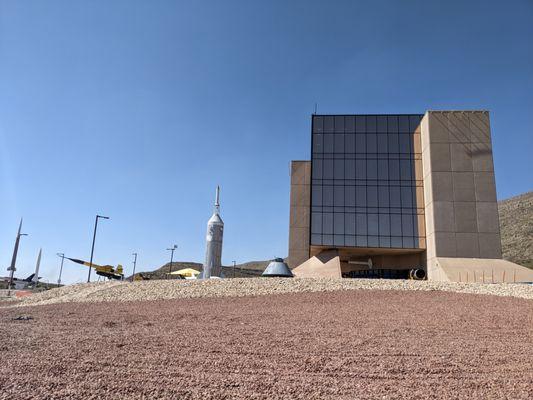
(278, 268)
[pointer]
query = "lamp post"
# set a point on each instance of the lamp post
(62, 255)
(171, 257)
(92, 247)
(234, 268)
(134, 264)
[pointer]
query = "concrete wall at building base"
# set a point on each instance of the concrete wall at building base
(480, 270)
(324, 265)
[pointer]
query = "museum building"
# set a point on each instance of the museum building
(386, 196)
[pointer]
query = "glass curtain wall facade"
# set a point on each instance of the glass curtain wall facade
(363, 184)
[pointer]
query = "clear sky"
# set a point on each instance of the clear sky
(138, 109)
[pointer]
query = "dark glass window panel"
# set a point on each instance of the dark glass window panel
(316, 239)
(408, 242)
(329, 143)
(318, 143)
(371, 143)
(349, 224)
(396, 225)
(339, 196)
(371, 123)
(327, 240)
(383, 170)
(360, 123)
(372, 169)
(349, 241)
(349, 143)
(349, 123)
(394, 169)
(373, 241)
(318, 124)
(382, 143)
(349, 196)
(405, 143)
(316, 222)
(396, 242)
(339, 169)
(416, 242)
(338, 240)
(372, 196)
(349, 169)
(414, 121)
(361, 241)
(327, 170)
(327, 195)
(405, 170)
(383, 196)
(384, 225)
(395, 196)
(339, 123)
(360, 144)
(407, 196)
(384, 241)
(339, 143)
(338, 224)
(382, 124)
(360, 196)
(415, 225)
(360, 224)
(407, 225)
(317, 169)
(316, 195)
(328, 124)
(327, 223)
(393, 143)
(404, 123)
(392, 123)
(373, 224)
(360, 169)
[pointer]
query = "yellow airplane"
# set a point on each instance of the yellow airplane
(107, 271)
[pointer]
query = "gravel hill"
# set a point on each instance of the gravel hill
(516, 225)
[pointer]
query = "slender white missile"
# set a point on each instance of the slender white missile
(36, 276)
(213, 239)
(12, 268)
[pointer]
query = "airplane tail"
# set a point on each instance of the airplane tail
(30, 278)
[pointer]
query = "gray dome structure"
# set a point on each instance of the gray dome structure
(278, 268)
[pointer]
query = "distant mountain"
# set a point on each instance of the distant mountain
(245, 270)
(516, 227)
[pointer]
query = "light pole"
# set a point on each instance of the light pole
(92, 247)
(12, 267)
(134, 264)
(234, 268)
(62, 255)
(171, 257)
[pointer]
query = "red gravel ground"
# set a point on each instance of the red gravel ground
(346, 345)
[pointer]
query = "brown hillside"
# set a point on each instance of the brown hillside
(516, 225)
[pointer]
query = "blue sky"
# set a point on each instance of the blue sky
(138, 109)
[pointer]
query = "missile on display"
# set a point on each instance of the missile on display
(213, 243)
(37, 266)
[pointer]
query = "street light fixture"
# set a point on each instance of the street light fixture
(134, 264)
(62, 255)
(172, 249)
(92, 247)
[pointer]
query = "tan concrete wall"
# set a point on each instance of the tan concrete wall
(461, 209)
(299, 213)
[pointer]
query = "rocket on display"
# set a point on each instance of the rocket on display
(213, 242)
